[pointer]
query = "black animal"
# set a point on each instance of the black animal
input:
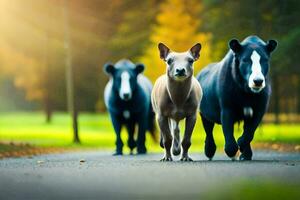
(127, 98)
(236, 88)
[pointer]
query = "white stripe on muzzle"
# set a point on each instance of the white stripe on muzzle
(125, 86)
(256, 73)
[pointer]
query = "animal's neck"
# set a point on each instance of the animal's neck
(179, 90)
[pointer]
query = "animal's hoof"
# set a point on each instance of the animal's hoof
(210, 150)
(118, 154)
(141, 151)
(176, 151)
(166, 159)
(186, 159)
(246, 152)
(231, 149)
(244, 157)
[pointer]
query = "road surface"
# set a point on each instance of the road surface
(98, 175)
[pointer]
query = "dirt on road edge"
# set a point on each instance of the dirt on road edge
(13, 149)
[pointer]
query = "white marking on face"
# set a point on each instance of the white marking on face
(180, 62)
(126, 114)
(125, 86)
(256, 73)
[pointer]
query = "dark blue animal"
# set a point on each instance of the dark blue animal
(236, 89)
(127, 98)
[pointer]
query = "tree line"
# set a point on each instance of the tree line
(32, 44)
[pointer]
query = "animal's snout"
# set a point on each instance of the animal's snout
(126, 96)
(258, 82)
(180, 72)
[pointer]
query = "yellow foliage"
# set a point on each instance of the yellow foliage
(23, 68)
(22, 42)
(177, 27)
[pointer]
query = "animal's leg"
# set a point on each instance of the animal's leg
(142, 123)
(210, 146)
(231, 146)
(190, 122)
(117, 127)
(167, 137)
(174, 128)
(131, 142)
(161, 142)
(244, 141)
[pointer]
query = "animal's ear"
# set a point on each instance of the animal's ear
(235, 45)
(109, 68)
(271, 45)
(195, 51)
(163, 51)
(139, 68)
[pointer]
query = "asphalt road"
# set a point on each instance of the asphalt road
(102, 176)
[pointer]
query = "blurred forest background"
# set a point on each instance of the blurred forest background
(41, 39)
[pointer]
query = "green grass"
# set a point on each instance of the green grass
(96, 131)
(254, 189)
(10, 148)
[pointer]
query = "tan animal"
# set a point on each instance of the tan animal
(176, 95)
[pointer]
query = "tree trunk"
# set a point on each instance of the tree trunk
(48, 116)
(69, 74)
(75, 126)
(48, 109)
(47, 84)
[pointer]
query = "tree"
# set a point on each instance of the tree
(69, 73)
(30, 47)
(32, 39)
(133, 31)
(176, 27)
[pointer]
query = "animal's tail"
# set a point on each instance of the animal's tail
(152, 125)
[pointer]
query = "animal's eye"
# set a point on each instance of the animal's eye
(190, 60)
(170, 61)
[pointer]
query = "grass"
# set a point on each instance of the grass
(253, 189)
(9, 147)
(96, 131)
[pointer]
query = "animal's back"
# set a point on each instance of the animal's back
(158, 89)
(145, 84)
(208, 79)
(107, 92)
